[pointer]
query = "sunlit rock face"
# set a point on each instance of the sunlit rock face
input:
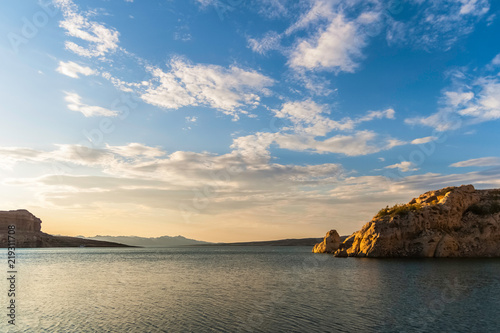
(451, 222)
(330, 243)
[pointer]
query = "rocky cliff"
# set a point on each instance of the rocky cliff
(330, 243)
(28, 233)
(451, 222)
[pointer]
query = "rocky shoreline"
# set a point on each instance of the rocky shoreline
(451, 222)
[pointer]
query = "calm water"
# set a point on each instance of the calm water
(248, 289)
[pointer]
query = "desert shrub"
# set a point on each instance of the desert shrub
(446, 190)
(494, 195)
(398, 209)
(383, 212)
(441, 194)
(485, 209)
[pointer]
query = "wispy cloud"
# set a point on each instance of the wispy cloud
(473, 102)
(436, 24)
(478, 162)
(496, 60)
(136, 150)
(75, 104)
(404, 166)
(312, 118)
(308, 121)
(333, 41)
(74, 70)
(98, 38)
(270, 41)
(426, 139)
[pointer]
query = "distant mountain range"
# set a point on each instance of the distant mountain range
(280, 242)
(168, 241)
(163, 241)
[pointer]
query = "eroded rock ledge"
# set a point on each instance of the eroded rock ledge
(29, 233)
(451, 222)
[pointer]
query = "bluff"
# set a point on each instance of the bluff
(28, 233)
(451, 222)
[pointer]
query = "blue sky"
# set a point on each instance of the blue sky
(228, 120)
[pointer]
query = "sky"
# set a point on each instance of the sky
(240, 120)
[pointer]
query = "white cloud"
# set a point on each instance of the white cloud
(320, 11)
(311, 118)
(330, 35)
(474, 7)
(73, 69)
(486, 105)
(458, 98)
(443, 120)
(205, 3)
(308, 121)
(478, 162)
(421, 141)
(136, 150)
(357, 144)
(437, 24)
(140, 175)
(12, 155)
(274, 8)
(315, 83)
(474, 102)
(389, 114)
(79, 155)
(404, 166)
(191, 119)
(270, 41)
(75, 104)
(141, 178)
(336, 48)
(496, 60)
(231, 91)
(99, 39)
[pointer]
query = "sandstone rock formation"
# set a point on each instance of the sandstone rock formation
(451, 222)
(330, 243)
(28, 233)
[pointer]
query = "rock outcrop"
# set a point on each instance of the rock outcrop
(451, 222)
(28, 233)
(330, 243)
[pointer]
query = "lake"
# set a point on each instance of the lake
(247, 289)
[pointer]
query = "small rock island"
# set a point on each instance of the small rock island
(451, 222)
(28, 233)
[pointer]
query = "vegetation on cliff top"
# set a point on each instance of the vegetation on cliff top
(485, 209)
(398, 209)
